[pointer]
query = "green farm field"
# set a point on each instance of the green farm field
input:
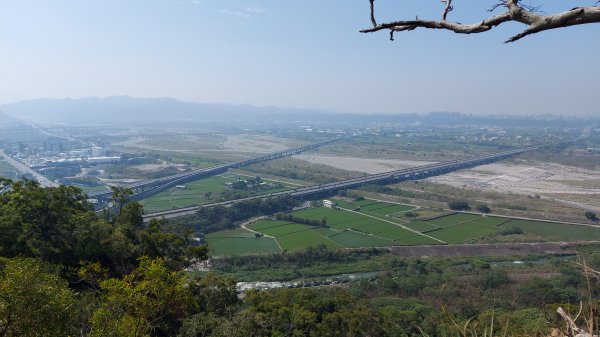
(372, 206)
(422, 226)
(287, 229)
(556, 231)
(267, 224)
(344, 229)
(463, 232)
(305, 239)
(196, 193)
(351, 239)
(355, 229)
(454, 219)
(385, 209)
(239, 242)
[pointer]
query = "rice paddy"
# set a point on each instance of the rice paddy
(369, 223)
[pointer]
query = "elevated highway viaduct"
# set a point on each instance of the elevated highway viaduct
(329, 189)
(145, 189)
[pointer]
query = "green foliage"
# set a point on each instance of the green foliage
(512, 231)
(307, 312)
(591, 216)
(484, 208)
(212, 219)
(411, 214)
(239, 242)
(555, 231)
(132, 215)
(204, 324)
(120, 196)
(121, 294)
(34, 302)
(58, 226)
(539, 292)
(459, 205)
(54, 224)
(239, 185)
(299, 259)
(147, 302)
(214, 294)
(297, 219)
(493, 279)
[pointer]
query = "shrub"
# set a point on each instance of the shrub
(484, 209)
(411, 214)
(591, 216)
(459, 205)
(511, 231)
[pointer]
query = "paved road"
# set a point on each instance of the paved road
(45, 182)
(157, 185)
(386, 177)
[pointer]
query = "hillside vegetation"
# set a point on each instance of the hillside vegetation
(66, 271)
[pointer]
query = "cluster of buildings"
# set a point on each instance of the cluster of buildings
(77, 157)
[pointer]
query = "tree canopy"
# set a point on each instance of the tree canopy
(57, 225)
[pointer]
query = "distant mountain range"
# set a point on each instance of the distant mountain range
(124, 110)
(128, 110)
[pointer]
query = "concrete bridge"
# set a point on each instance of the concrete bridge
(327, 190)
(414, 173)
(145, 189)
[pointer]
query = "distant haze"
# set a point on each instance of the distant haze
(304, 54)
(124, 110)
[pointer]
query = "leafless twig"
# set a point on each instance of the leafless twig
(447, 9)
(515, 11)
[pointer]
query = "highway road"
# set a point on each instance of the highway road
(145, 189)
(45, 182)
(413, 173)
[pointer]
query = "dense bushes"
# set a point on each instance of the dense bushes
(484, 208)
(459, 205)
(212, 219)
(57, 226)
(308, 257)
(82, 275)
(34, 300)
(591, 216)
(512, 231)
(304, 221)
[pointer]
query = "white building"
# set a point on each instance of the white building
(98, 151)
(79, 152)
(103, 160)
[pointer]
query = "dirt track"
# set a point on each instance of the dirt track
(503, 249)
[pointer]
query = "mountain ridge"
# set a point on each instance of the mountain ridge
(126, 110)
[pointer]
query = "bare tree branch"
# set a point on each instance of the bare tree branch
(447, 9)
(373, 13)
(525, 14)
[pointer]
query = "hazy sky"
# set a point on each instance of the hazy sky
(302, 53)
